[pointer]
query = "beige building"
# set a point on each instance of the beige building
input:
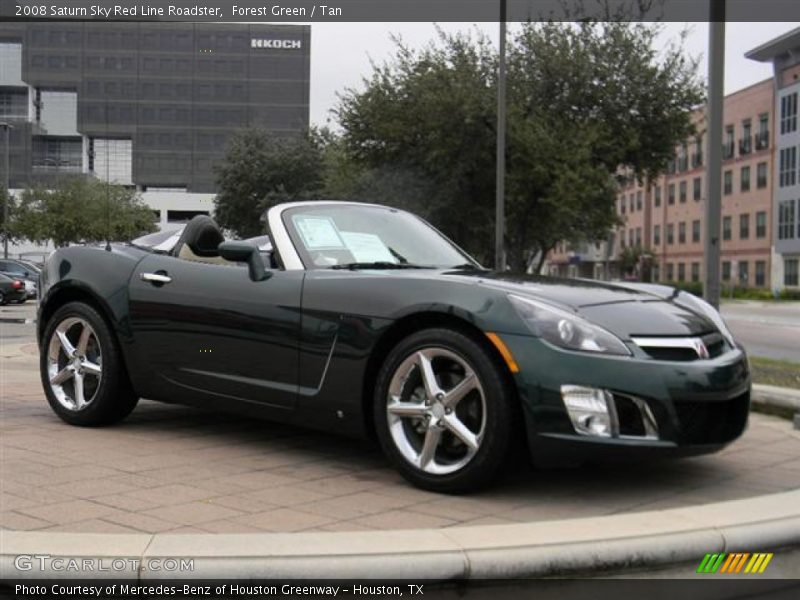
(665, 218)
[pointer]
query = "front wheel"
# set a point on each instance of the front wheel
(81, 368)
(443, 411)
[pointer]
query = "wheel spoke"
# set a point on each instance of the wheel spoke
(432, 389)
(406, 409)
(426, 455)
(83, 340)
(62, 376)
(461, 431)
(464, 387)
(80, 398)
(67, 346)
(90, 368)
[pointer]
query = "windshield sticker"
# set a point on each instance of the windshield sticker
(318, 233)
(367, 247)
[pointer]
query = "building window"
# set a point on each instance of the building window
(683, 158)
(788, 167)
(113, 160)
(762, 138)
(727, 183)
(745, 179)
(696, 231)
(744, 272)
(682, 192)
(657, 197)
(726, 270)
(697, 190)
(630, 237)
(728, 146)
(744, 226)
(14, 103)
(622, 204)
(681, 271)
(726, 228)
(697, 157)
(671, 194)
(695, 271)
(790, 271)
(761, 273)
(761, 175)
(670, 272)
(53, 154)
(631, 202)
(682, 232)
(639, 200)
(746, 143)
(670, 233)
(657, 235)
(761, 225)
(789, 113)
(656, 273)
(786, 217)
(638, 236)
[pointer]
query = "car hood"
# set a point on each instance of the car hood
(624, 309)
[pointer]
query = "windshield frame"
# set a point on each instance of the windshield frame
(285, 211)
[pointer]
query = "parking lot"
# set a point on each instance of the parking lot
(176, 469)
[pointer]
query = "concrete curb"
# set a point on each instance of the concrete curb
(550, 548)
(779, 397)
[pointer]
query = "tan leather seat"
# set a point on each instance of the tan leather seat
(200, 241)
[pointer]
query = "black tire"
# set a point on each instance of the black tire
(3, 300)
(112, 399)
(489, 460)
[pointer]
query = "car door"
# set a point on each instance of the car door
(207, 334)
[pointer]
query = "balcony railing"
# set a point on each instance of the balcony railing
(727, 150)
(762, 140)
(746, 145)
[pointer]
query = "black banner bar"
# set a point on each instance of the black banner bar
(334, 11)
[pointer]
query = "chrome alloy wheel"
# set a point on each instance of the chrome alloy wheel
(436, 409)
(74, 363)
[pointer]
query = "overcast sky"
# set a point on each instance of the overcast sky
(341, 52)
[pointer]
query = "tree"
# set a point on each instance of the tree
(81, 210)
(584, 101)
(260, 170)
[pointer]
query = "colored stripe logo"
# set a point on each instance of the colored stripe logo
(735, 563)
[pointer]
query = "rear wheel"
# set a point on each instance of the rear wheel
(443, 411)
(81, 368)
(3, 300)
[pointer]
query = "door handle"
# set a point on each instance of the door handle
(159, 278)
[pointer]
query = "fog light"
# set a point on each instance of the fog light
(590, 409)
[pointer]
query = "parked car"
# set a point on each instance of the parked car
(368, 321)
(11, 290)
(20, 269)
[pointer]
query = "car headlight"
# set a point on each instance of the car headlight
(697, 304)
(566, 330)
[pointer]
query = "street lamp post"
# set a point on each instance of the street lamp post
(7, 199)
(716, 82)
(500, 187)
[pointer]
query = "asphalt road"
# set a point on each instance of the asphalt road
(766, 329)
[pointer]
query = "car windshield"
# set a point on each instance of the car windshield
(367, 236)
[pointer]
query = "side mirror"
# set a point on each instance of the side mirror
(247, 253)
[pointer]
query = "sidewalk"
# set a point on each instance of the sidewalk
(178, 470)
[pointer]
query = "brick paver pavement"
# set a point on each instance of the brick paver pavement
(177, 469)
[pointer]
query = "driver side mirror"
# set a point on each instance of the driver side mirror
(247, 253)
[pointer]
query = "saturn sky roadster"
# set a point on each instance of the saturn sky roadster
(365, 320)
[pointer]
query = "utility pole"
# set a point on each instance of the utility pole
(500, 187)
(716, 99)
(7, 199)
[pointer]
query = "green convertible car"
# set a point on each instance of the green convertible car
(365, 320)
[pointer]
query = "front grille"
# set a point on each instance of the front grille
(712, 422)
(683, 349)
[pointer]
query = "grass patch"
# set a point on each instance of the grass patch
(775, 372)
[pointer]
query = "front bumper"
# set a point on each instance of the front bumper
(699, 406)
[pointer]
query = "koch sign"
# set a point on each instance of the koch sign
(276, 44)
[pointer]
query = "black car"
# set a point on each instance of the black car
(11, 290)
(362, 319)
(20, 269)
